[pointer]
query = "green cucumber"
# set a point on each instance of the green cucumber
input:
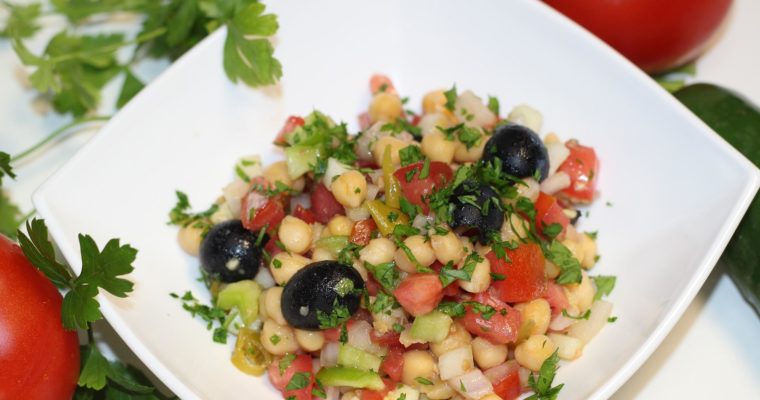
(350, 356)
(432, 327)
(350, 377)
(333, 244)
(243, 295)
(738, 122)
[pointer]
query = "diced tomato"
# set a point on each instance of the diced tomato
(271, 246)
(304, 214)
(290, 124)
(418, 190)
(364, 121)
(583, 168)
(377, 394)
(419, 294)
(393, 363)
(453, 289)
(548, 211)
(524, 278)
(361, 233)
(501, 328)
(324, 205)
(269, 215)
(381, 83)
(416, 118)
(505, 379)
(556, 297)
(387, 339)
(302, 364)
(367, 164)
(333, 334)
(372, 286)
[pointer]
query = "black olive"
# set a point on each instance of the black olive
(521, 152)
(477, 209)
(576, 215)
(324, 288)
(229, 252)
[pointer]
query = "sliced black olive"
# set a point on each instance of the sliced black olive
(477, 209)
(323, 290)
(573, 214)
(521, 152)
(229, 252)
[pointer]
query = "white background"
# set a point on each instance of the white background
(712, 352)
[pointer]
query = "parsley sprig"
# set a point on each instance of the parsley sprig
(542, 386)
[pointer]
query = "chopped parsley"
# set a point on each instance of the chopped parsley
(386, 274)
(582, 316)
(493, 105)
(497, 276)
(570, 268)
(182, 216)
(423, 381)
(604, 285)
(410, 155)
(285, 362)
(458, 310)
(299, 380)
(337, 316)
(214, 317)
(542, 386)
(275, 339)
(451, 98)
(383, 304)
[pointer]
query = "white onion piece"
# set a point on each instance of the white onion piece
(328, 357)
(555, 183)
(422, 221)
(302, 199)
(499, 372)
(568, 348)
(358, 336)
(474, 383)
(526, 116)
(363, 146)
(524, 375)
(372, 191)
(585, 330)
(332, 393)
(455, 362)
(558, 153)
(264, 278)
(334, 169)
(358, 213)
(471, 110)
(429, 123)
(530, 189)
(233, 193)
(560, 323)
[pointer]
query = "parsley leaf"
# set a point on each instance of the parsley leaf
(338, 315)
(131, 86)
(604, 285)
(10, 216)
(410, 155)
(248, 55)
(22, 21)
(39, 250)
(5, 166)
(98, 373)
(451, 98)
(285, 362)
(543, 385)
(299, 380)
(386, 274)
(570, 268)
(214, 317)
(493, 105)
(182, 216)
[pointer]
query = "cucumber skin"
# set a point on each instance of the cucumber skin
(738, 122)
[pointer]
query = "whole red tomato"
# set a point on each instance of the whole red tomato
(655, 34)
(38, 358)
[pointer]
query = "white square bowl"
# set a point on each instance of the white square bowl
(672, 190)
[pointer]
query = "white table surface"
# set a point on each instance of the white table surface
(712, 352)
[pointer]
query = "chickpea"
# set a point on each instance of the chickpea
(429, 123)
(534, 351)
(295, 234)
(458, 337)
(491, 396)
(581, 295)
(271, 300)
(514, 227)
(350, 189)
(310, 340)
(462, 154)
(487, 354)
(480, 279)
(437, 148)
(278, 339)
(421, 251)
(434, 101)
(385, 107)
(417, 364)
(340, 225)
(378, 149)
(284, 265)
(189, 239)
(320, 254)
(447, 247)
(278, 172)
(589, 251)
(536, 312)
(378, 251)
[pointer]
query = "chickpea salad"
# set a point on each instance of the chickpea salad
(431, 255)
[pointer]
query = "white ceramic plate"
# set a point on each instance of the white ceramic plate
(672, 190)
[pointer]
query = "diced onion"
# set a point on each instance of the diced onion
(264, 278)
(560, 323)
(526, 116)
(372, 191)
(471, 110)
(472, 385)
(358, 213)
(334, 169)
(358, 336)
(585, 330)
(555, 183)
(558, 153)
(421, 221)
(328, 357)
(455, 362)
(568, 348)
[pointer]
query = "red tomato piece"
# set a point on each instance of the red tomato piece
(377, 394)
(548, 211)
(680, 31)
(419, 293)
(39, 359)
(302, 364)
(500, 328)
(290, 124)
(304, 214)
(583, 168)
(505, 379)
(361, 233)
(418, 190)
(372, 286)
(271, 246)
(524, 278)
(387, 339)
(381, 83)
(269, 215)
(393, 363)
(324, 205)
(556, 297)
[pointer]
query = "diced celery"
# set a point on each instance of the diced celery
(243, 295)
(432, 327)
(350, 356)
(350, 377)
(333, 244)
(301, 159)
